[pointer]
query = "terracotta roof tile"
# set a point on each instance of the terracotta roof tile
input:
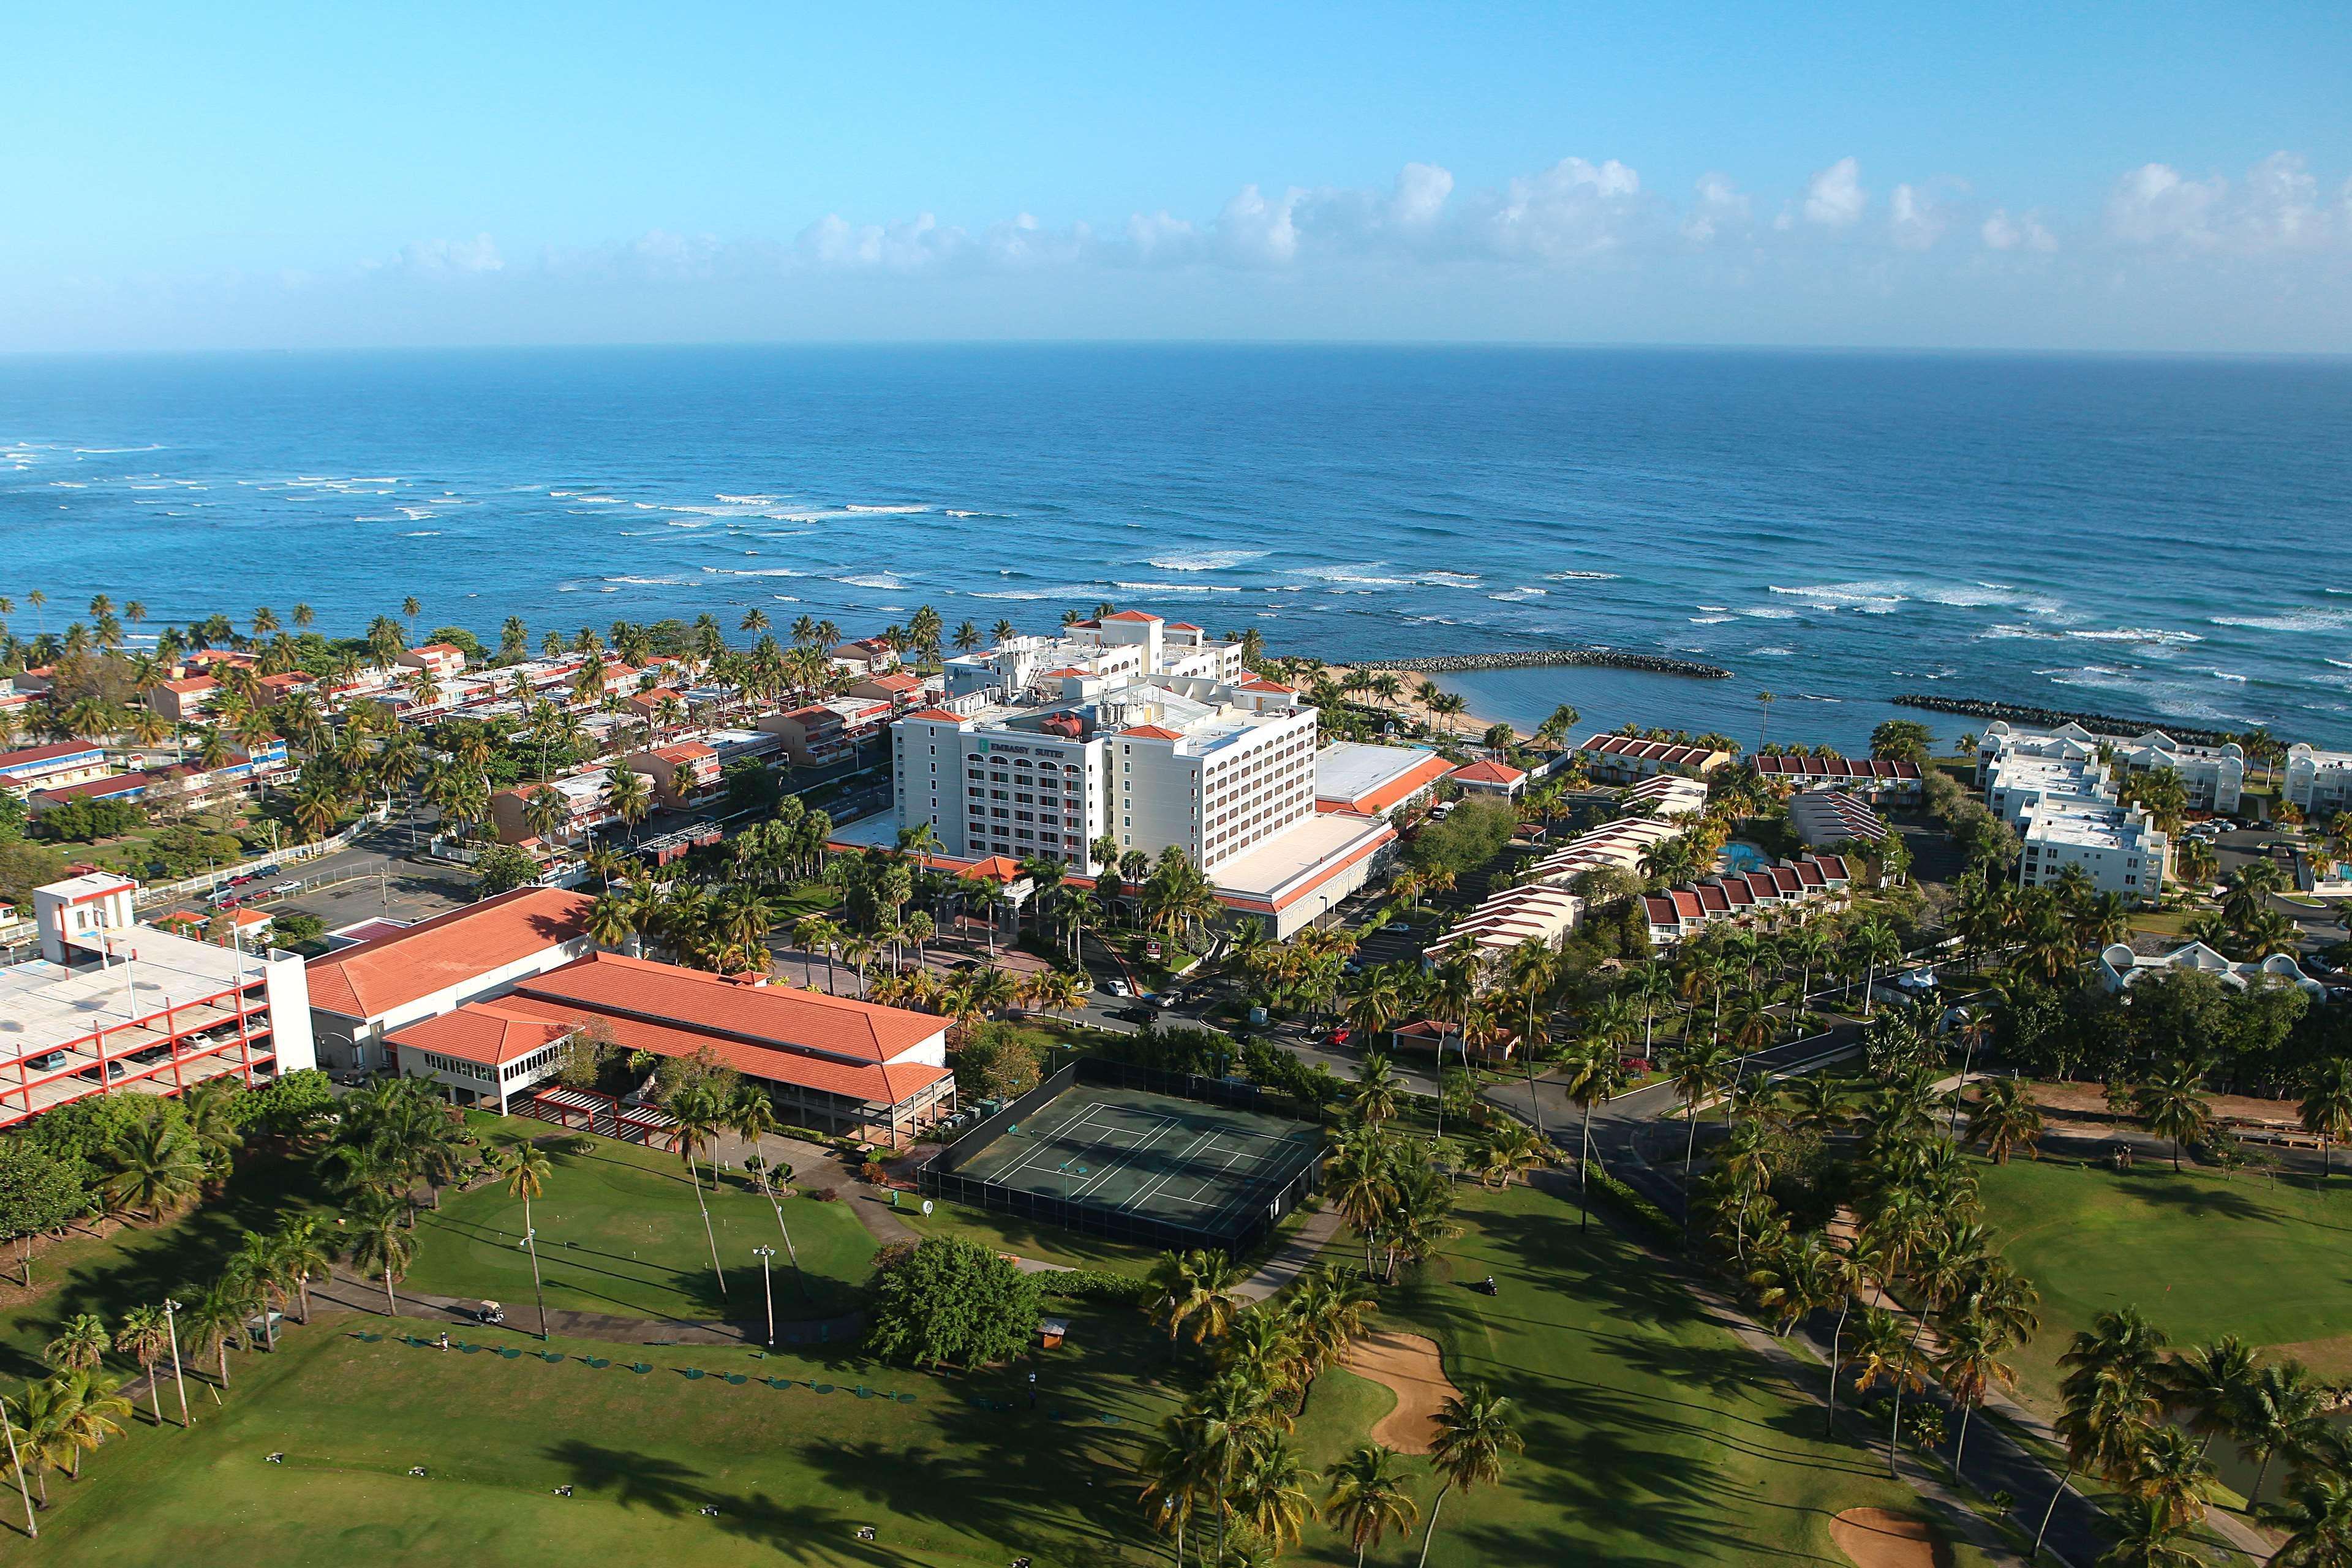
(375, 977)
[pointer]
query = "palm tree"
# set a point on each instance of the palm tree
(155, 1167)
(2147, 1535)
(1367, 1498)
(1595, 1073)
(2326, 1108)
(2210, 1383)
(94, 1410)
(1870, 946)
(2318, 1525)
(254, 1270)
(80, 1345)
(1698, 1075)
(1473, 1437)
(144, 1337)
(525, 1169)
(2170, 1470)
(2003, 1118)
(1270, 1493)
(1968, 1366)
(697, 1112)
(1181, 1471)
(381, 1243)
(211, 1318)
(1882, 1350)
(301, 1246)
(1235, 1414)
(1378, 1090)
(2173, 1104)
(2283, 1407)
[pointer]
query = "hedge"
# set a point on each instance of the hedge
(1096, 1285)
(1634, 1205)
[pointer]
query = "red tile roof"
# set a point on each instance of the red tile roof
(686, 752)
(935, 716)
(44, 753)
(1489, 772)
(192, 684)
(1661, 910)
(1130, 615)
(375, 977)
(484, 1032)
(1419, 776)
(1153, 732)
(1182, 626)
(834, 1043)
(896, 681)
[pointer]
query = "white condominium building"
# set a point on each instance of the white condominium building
(2211, 776)
(2319, 782)
(2057, 793)
(1129, 645)
(1071, 756)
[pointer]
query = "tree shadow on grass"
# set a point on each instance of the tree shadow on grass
(2199, 1201)
(142, 1265)
(641, 1481)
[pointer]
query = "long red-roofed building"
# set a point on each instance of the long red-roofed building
(831, 1061)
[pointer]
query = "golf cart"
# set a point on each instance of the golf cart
(490, 1312)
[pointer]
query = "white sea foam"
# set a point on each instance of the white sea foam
(1582, 577)
(416, 533)
(2225, 674)
(1176, 588)
(1767, 613)
(1867, 595)
(873, 580)
(2296, 621)
(1519, 596)
(1771, 652)
(1203, 560)
(2135, 634)
(753, 571)
(745, 500)
(855, 507)
(1708, 620)
(655, 582)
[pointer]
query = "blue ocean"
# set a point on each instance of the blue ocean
(2136, 536)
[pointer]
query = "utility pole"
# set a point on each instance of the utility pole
(171, 1327)
(32, 1528)
(763, 1254)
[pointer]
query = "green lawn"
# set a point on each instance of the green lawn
(794, 1473)
(2199, 1254)
(138, 1264)
(1021, 1238)
(619, 1233)
(1653, 1436)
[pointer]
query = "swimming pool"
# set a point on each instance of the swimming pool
(1739, 858)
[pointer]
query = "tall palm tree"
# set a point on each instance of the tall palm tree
(2318, 1524)
(211, 1318)
(1269, 1493)
(381, 1243)
(2326, 1107)
(1236, 1415)
(2208, 1383)
(301, 1246)
(156, 1166)
(1699, 1073)
(1378, 1091)
(255, 1270)
(81, 1344)
(1368, 1498)
(697, 1112)
(1180, 1472)
(525, 1169)
(1969, 1364)
(2283, 1408)
(2002, 1118)
(1883, 1351)
(2147, 1535)
(95, 1411)
(144, 1337)
(2173, 1104)
(1474, 1435)
(1595, 1073)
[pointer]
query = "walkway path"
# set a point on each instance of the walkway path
(1296, 1253)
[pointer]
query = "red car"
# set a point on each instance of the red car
(1342, 1035)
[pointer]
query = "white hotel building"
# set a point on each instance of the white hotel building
(2054, 790)
(1045, 746)
(2319, 782)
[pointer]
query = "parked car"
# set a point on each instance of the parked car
(1342, 1035)
(1400, 926)
(1133, 1015)
(1118, 987)
(49, 1063)
(261, 871)
(114, 1070)
(284, 890)
(223, 897)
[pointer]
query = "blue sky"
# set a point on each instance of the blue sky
(2142, 176)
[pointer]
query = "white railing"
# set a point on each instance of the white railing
(205, 882)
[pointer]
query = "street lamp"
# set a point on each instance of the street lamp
(763, 1254)
(171, 1327)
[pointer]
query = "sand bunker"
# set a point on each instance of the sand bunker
(1408, 1366)
(1874, 1538)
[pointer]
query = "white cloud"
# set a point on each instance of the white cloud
(1254, 232)
(2022, 232)
(1572, 209)
(1917, 221)
(449, 258)
(1836, 198)
(1420, 193)
(1717, 207)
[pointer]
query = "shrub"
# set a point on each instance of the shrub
(1096, 1285)
(951, 1301)
(1633, 1205)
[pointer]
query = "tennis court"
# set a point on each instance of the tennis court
(1134, 1155)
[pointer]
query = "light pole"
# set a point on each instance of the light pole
(32, 1528)
(171, 1327)
(763, 1254)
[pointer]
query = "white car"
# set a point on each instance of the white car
(1119, 987)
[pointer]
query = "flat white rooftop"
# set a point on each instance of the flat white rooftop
(1349, 770)
(1290, 862)
(44, 1007)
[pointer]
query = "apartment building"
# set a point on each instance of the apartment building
(2213, 777)
(1769, 893)
(1127, 646)
(2062, 799)
(52, 766)
(1822, 816)
(2318, 782)
(1878, 780)
(1623, 759)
